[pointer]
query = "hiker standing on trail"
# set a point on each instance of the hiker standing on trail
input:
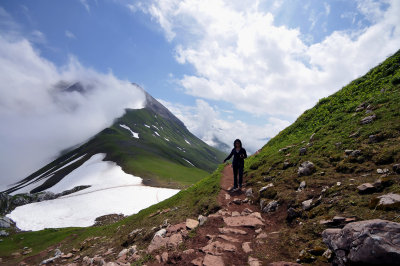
(239, 154)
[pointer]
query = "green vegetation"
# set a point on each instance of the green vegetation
(337, 126)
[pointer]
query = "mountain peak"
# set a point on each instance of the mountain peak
(155, 106)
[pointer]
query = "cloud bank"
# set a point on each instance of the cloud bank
(39, 117)
(240, 56)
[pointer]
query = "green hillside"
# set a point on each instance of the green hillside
(326, 131)
(164, 153)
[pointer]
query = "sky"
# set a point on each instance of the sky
(228, 69)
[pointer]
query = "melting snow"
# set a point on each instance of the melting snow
(188, 142)
(147, 126)
(134, 134)
(166, 139)
(111, 191)
(155, 132)
(188, 161)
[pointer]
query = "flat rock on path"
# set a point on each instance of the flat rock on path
(245, 221)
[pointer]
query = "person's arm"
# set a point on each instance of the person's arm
(229, 156)
(245, 154)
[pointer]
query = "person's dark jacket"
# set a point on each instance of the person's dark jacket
(238, 157)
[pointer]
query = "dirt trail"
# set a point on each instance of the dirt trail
(238, 234)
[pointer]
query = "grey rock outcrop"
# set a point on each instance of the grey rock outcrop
(366, 242)
(306, 168)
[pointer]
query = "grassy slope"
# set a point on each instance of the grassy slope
(200, 198)
(333, 120)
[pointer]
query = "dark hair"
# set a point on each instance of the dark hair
(237, 140)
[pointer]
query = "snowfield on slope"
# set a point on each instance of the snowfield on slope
(111, 191)
(134, 134)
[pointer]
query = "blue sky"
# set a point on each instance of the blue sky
(227, 69)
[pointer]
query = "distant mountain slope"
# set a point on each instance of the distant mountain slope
(150, 143)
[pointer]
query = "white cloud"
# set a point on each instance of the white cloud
(240, 56)
(206, 122)
(70, 35)
(38, 119)
(85, 4)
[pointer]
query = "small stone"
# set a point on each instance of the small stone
(249, 193)
(303, 151)
(327, 254)
(338, 184)
(237, 201)
(227, 197)
(235, 213)
(366, 188)
(266, 187)
(306, 204)
(302, 186)
(292, 214)
(271, 206)
(306, 168)
(382, 171)
(160, 233)
(191, 224)
(164, 257)
(202, 219)
(188, 251)
(246, 247)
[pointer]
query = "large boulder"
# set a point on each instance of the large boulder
(366, 242)
(306, 168)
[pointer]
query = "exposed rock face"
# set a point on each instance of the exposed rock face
(306, 168)
(366, 242)
(368, 119)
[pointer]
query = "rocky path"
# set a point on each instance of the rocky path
(232, 236)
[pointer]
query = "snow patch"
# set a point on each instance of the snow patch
(166, 139)
(187, 142)
(155, 132)
(147, 126)
(112, 191)
(134, 134)
(155, 127)
(188, 161)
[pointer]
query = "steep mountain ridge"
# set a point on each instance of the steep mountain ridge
(150, 142)
(308, 178)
